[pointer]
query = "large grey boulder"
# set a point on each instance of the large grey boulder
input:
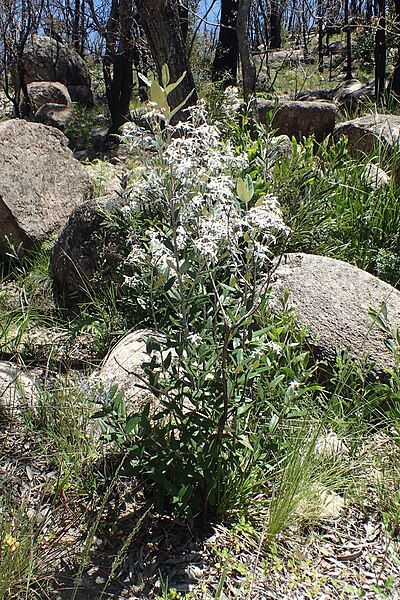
(366, 133)
(299, 119)
(291, 57)
(82, 94)
(348, 95)
(40, 182)
(84, 248)
(46, 59)
(332, 300)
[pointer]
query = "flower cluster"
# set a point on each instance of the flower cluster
(193, 176)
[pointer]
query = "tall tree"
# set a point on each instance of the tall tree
(380, 51)
(183, 8)
(118, 35)
(275, 36)
(368, 11)
(226, 58)
(348, 41)
(77, 30)
(19, 19)
(161, 23)
(395, 79)
(118, 62)
(248, 66)
(320, 36)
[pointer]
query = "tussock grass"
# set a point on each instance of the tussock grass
(333, 210)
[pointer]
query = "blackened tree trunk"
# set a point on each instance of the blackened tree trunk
(161, 24)
(118, 62)
(320, 37)
(184, 17)
(380, 52)
(368, 11)
(19, 21)
(140, 66)
(117, 33)
(395, 79)
(76, 26)
(275, 22)
(349, 74)
(226, 58)
(248, 66)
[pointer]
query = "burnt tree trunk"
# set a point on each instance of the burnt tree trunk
(160, 22)
(248, 66)
(227, 53)
(368, 11)
(76, 26)
(395, 79)
(380, 52)
(118, 62)
(275, 22)
(320, 37)
(184, 17)
(349, 74)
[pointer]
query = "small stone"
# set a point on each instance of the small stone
(375, 176)
(18, 391)
(330, 444)
(331, 505)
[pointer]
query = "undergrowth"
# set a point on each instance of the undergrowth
(245, 426)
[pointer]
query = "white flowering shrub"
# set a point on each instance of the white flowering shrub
(199, 267)
(191, 182)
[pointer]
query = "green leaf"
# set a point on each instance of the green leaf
(241, 190)
(167, 361)
(158, 96)
(244, 441)
(169, 284)
(170, 88)
(144, 79)
(181, 105)
(275, 382)
(259, 202)
(273, 423)
(245, 189)
(165, 75)
(250, 186)
(132, 423)
(380, 317)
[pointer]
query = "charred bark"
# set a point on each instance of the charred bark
(248, 66)
(349, 74)
(118, 62)
(227, 53)
(395, 79)
(160, 22)
(380, 52)
(275, 23)
(184, 18)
